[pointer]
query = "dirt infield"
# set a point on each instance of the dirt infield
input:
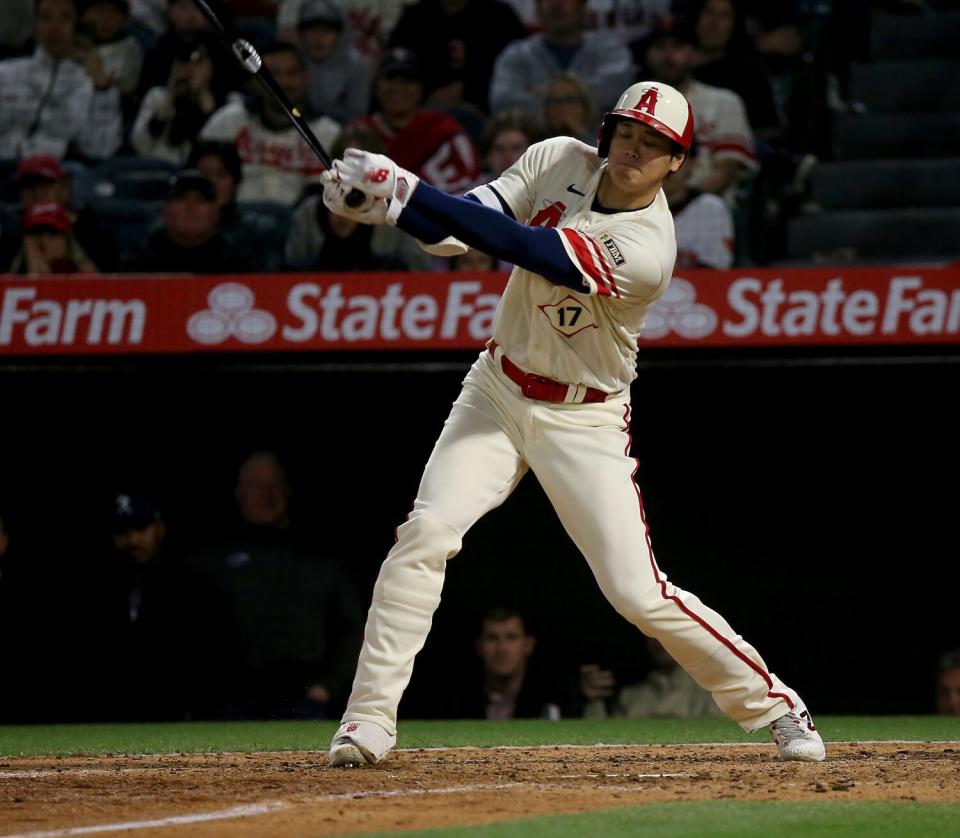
(295, 794)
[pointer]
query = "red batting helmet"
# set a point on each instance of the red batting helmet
(660, 106)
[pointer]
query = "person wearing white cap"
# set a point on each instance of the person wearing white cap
(592, 238)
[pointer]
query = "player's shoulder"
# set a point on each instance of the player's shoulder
(564, 151)
(707, 202)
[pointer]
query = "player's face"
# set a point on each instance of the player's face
(505, 646)
(640, 157)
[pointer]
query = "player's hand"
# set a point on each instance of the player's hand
(596, 682)
(371, 211)
(377, 175)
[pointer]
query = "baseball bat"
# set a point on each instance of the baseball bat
(251, 61)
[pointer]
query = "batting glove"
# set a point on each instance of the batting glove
(372, 211)
(379, 176)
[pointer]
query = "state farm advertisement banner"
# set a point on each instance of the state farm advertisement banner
(297, 312)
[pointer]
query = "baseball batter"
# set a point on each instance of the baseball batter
(593, 242)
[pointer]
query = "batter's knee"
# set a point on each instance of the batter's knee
(637, 608)
(427, 537)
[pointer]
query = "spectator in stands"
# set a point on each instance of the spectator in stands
(703, 222)
(171, 117)
(186, 22)
(722, 59)
(431, 144)
(320, 240)
(16, 27)
(568, 110)
(255, 232)
(370, 22)
(668, 692)
(189, 241)
(52, 103)
(457, 42)
(473, 261)
(41, 179)
(105, 23)
(506, 137)
(948, 685)
(150, 15)
(720, 120)
(277, 164)
(154, 637)
(49, 246)
(298, 616)
(507, 686)
(340, 76)
(525, 68)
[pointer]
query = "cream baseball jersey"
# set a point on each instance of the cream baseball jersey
(626, 259)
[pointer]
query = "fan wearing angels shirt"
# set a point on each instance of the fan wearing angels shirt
(431, 144)
(592, 238)
(277, 164)
(703, 222)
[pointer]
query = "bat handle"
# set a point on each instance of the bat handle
(355, 198)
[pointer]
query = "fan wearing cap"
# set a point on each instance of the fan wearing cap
(189, 240)
(171, 116)
(592, 238)
(340, 76)
(58, 99)
(42, 179)
(430, 143)
(49, 246)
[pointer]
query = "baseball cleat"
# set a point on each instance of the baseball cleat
(797, 738)
(359, 743)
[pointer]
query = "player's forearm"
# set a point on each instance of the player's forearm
(536, 249)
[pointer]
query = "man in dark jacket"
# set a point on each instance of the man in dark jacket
(190, 240)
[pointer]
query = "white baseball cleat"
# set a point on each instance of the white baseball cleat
(359, 743)
(797, 738)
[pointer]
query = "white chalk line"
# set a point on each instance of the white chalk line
(252, 809)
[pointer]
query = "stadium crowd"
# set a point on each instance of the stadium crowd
(133, 141)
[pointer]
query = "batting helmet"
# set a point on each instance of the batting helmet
(660, 106)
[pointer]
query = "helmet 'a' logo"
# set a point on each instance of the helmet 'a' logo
(648, 102)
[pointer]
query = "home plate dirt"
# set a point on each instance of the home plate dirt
(295, 794)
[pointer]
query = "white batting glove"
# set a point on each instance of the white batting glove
(377, 175)
(372, 211)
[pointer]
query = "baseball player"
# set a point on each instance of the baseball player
(592, 239)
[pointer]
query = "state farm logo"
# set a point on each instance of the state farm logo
(231, 314)
(678, 311)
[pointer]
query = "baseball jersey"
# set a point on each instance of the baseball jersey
(277, 165)
(626, 259)
(720, 128)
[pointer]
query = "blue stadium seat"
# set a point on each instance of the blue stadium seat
(129, 220)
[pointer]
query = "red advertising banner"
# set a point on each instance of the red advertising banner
(298, 312)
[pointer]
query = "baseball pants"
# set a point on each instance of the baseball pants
(580, 455)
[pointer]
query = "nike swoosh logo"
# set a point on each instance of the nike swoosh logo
(573, 188)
